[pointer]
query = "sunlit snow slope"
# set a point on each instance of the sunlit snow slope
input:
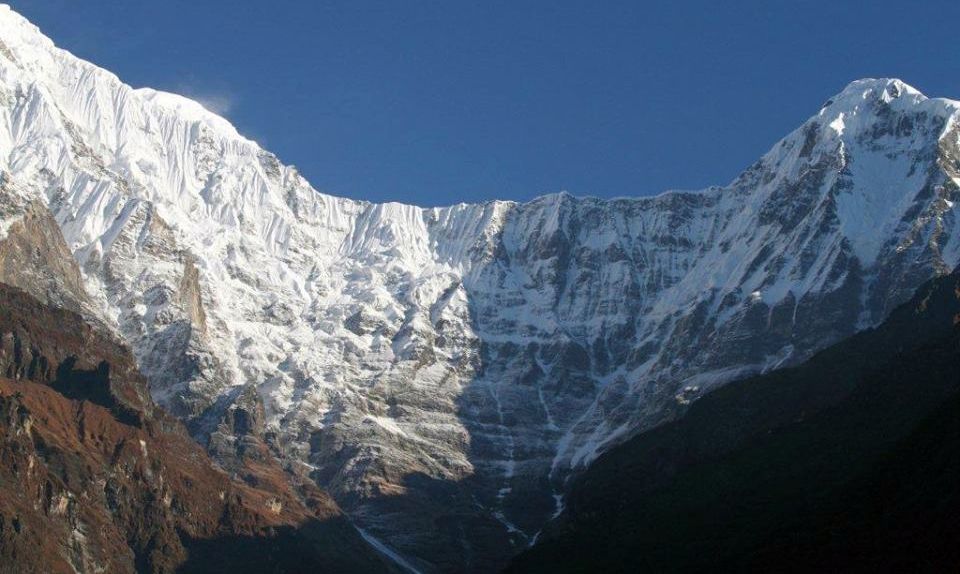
(441, 370)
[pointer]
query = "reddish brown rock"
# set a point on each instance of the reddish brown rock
(94, 477)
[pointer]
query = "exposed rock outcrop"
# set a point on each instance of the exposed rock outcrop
(95, 478)
(33, 254)
(846, 463)
(455, 365)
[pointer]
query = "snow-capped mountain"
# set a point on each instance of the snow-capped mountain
(442, 370)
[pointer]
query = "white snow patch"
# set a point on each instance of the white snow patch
(390, 553)
(837, 124)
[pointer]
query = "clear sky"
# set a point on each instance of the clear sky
(436, 102)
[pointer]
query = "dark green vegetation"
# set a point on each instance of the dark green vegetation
(849, 462)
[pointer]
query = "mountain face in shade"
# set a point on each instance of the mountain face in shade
(442, 371)
(846, 463)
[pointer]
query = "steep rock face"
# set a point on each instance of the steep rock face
(846, 463)
(96, 479)
(61, 350)
(450, 366)
(33, 254)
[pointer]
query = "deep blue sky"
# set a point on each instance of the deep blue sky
(435, 102)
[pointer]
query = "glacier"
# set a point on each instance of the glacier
(442, 371)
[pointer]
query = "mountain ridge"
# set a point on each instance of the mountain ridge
(96, 478)
(795, 470)
(485, 351)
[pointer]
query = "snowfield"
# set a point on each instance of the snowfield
(456, 363)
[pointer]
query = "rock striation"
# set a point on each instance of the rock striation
(443, 371)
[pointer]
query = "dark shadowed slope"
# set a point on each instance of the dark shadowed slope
(847, 462)
(443, 371)
(94, 477)
(901, 516)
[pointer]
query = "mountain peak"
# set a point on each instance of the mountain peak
(868, 91)
(508, 342)
(20, 30)
(894, 87)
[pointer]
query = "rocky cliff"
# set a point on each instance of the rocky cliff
(95, 478)
(845, 463)
(446, 369)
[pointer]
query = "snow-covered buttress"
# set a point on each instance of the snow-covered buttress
(442, 370)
